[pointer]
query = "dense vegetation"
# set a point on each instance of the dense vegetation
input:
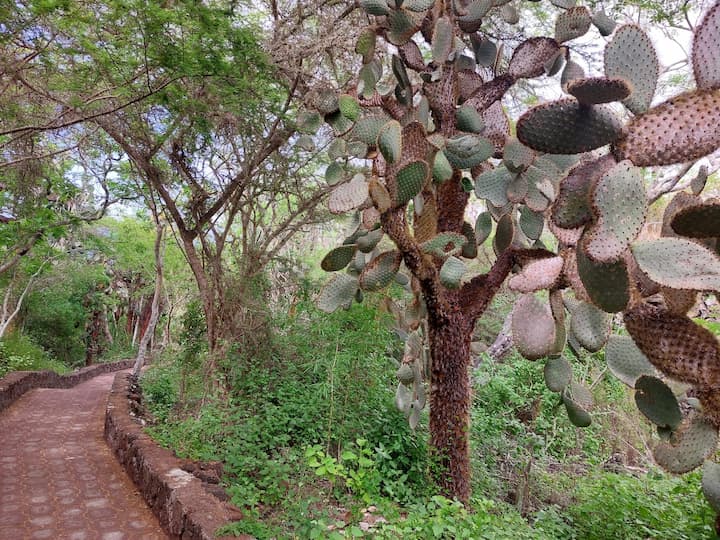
(158, 201)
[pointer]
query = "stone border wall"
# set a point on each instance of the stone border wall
(184, 508)
(15, 384)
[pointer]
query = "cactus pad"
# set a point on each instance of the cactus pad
(533, 327)
(492, 185)
(675, 345)
(678, 130)
(572, 72)
(483, 227)
(403, 398)
(485, 52)
(367, 128)
(442, 170)
(469, 249)
(379, 195)
(626, 361)
(348, 196)
(678, 263)
(411, 56)
(603, 23)
(698, 221)
(657, 402)
(365, 45)
(405, 374)
(451, 272)
(467, 151)
(334, 174)
(678, 301)
(607, 284)
(510, 14)
(557, 373)
(504, 234)
(631, 56)
(516, 156)
(403, 24)
(444, 245)
(375, 7)
(468, 119)
(410, 180)
(537, 275)
(590, 326)
(389, 141)
(596, 90)
(706, 43)
(531, 223)
(442, 40)
(689, 446)
(338, 258)
(571, 208)
(476, 10)
(711, 484)
(381, 271)
(578, 400)
(566, 127)
(619, 204)
(368, 242)
(528, 60)
(338, 292)
(573, 23)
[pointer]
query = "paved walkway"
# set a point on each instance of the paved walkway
(58, 478)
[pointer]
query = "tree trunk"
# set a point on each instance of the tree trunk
(155, 307)
(450, 403)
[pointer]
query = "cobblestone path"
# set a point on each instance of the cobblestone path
(58, 478)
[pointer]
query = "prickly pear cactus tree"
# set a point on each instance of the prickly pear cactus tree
(426, 122)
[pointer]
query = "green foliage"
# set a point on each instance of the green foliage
(19, 352)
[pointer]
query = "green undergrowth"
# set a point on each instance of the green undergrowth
(19, 352)
(313, 446)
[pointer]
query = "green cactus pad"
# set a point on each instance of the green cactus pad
(339, 123)
(476, 10)
(537, 275)
(375, 7)
(418, 5)
(483, 227)
(403, 24)
(368, 78)
(410, 180)
(572, 72)
(573, 23)
(678, 263)
(689, 447)
(336, 150)
(596, 90)
(381, 271)
(389, 141)
(531, 223)
(533, 327)
(529, 59)
(485, 52)
(675, 345)
(576, 414)
(451, 272)
(558, 373)
(698, 221)
(516, 156)
(626, 361)
(442, 170)
(657, 402)
(607, 284)
(492, 185)
(469, 249)
(603, 23)
(566, 127)
(338, 258)
(468, 119)
(442, 40)
(367, 128)
(326, 101)
(590, 325)
(468, 151)
(349, 107)
(711, 484)
(681, 129)
(444, 245)
(706, 43)
(348, 196)
(619, 204)
(517, 189)
(580, 394)
(631, 56)
(365, 45)
(309, 122)
(368, 242)
(504, 234)
(338, 292)
(571, 208)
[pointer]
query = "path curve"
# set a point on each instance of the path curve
(58, 478)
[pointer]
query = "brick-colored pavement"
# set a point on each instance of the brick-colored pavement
(58, 478)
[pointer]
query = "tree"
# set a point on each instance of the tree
(437, 131)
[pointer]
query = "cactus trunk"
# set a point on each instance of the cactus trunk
(450, 404)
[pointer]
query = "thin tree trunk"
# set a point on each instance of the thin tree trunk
(155, 310)
(8, 317)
